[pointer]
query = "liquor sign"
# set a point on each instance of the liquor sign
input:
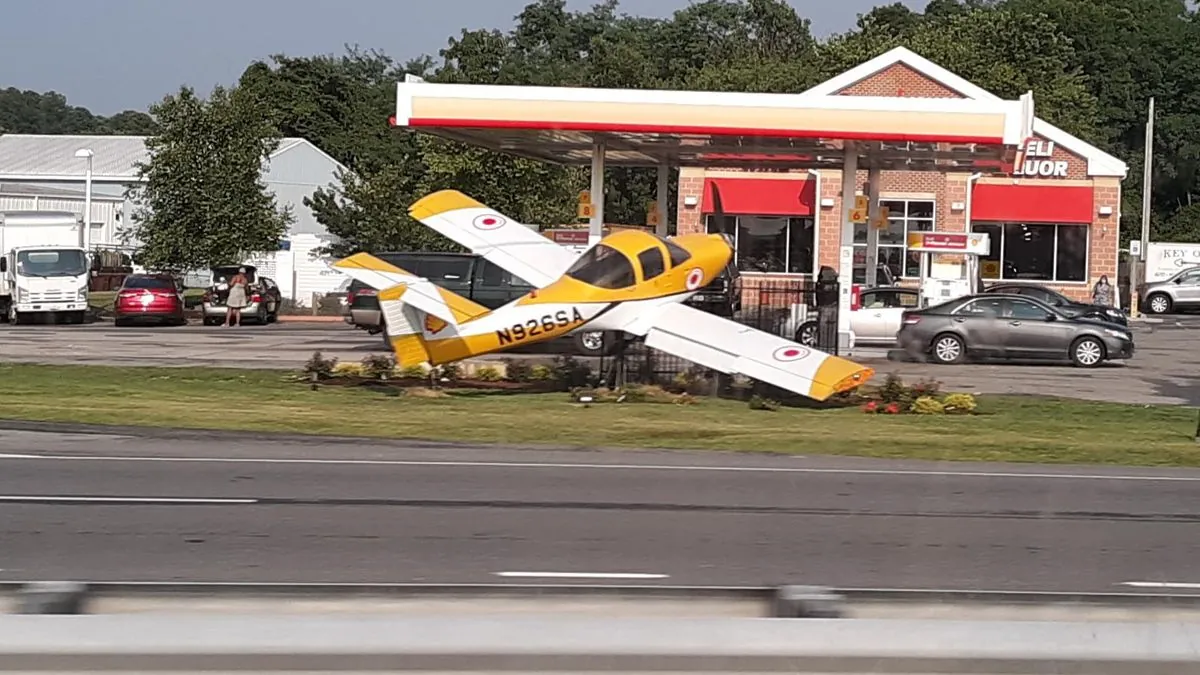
(1038, 161)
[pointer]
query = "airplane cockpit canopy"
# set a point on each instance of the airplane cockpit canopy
(603, 266)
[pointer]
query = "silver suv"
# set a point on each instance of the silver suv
(1181, 291)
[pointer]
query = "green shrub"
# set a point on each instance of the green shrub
(927, 405)
(894, 390)
(411, 373)
(488, 374)
(449, 371)
(320, 366)
(378, 366)
(516, 370)
(959, 404)
(760, 403)
(541, 372)
(570, 373)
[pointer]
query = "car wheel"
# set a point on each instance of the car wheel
(1159, 303)
(948, 348)
(807, 334)
(1087, 352)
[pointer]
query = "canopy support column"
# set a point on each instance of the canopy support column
(846, 254)
(872, 276)
(596, 223)
(661, 193)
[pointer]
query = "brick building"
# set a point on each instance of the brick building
(1053, 219)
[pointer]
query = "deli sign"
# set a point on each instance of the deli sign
(1038, 161)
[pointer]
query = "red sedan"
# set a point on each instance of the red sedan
(149, 296)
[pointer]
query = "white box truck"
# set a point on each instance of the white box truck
(44, 268)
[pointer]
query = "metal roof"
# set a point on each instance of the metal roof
(52, 157)
(715, 129)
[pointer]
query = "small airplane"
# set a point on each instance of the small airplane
(631, 281)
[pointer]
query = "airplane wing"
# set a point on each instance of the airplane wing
(513, 246)
(727, 346)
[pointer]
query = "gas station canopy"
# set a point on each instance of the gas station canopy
(562, 125)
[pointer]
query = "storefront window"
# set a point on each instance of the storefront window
(768, 243)
(1035, 252)
(904, 216)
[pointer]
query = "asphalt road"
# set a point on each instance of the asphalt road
(96, 507)
(1165, 370)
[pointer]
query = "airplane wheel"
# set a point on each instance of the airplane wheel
(593, 343)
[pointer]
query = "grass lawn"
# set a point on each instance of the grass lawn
(1010, 428)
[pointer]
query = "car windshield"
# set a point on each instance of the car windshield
(157, 283)
(48, 263)
(604, 267)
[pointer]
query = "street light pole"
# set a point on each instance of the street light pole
(87, 154)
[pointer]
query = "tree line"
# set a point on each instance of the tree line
(1092, 65)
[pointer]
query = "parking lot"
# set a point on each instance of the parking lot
(1166, 368)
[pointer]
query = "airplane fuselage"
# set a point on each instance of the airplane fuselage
(527, 321)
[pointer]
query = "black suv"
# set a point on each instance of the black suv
(465, 274)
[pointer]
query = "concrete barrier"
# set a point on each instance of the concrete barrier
(160, 643)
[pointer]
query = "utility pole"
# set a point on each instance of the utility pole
(1137, 272)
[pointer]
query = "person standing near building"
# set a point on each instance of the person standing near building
(237, 298)
(1102, 292)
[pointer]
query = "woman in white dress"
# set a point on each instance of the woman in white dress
(237, 298)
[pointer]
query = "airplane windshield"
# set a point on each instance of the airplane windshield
(603, 267)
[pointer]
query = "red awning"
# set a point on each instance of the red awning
(759, 196)
(1032, 203)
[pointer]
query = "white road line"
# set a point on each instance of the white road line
(139, 500)
(580, 575)
(601, 467)
(1161, 584)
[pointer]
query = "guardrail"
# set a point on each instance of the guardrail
(161, 643)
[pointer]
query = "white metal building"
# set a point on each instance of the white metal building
(42, 172)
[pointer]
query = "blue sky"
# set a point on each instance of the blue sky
(112, 55)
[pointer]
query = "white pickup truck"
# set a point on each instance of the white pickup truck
(44, 267)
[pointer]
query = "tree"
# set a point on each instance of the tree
(202, 201)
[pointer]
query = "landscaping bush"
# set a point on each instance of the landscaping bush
(411, 373)
(517, 370)
(760, 403)
(488, 374)
(927, 405)
(449, 371)
(959, 404)
(570, 373)
(378, 366)
(541, 372)
(320, 366)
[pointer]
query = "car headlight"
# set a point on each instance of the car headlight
(83, 293)
(1119, 334)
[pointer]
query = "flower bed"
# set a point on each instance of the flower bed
(894, 397)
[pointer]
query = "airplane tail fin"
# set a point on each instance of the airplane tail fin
(414, 310)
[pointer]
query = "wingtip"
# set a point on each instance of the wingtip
(441, 202)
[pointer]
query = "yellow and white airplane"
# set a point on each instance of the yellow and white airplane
(630, 281)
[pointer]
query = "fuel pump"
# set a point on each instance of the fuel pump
(945, 282)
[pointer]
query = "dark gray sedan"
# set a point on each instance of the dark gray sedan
(995, 325)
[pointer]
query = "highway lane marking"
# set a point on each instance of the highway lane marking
(136, 500)
(1161, 584)
(590, 466)
(580, 575)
